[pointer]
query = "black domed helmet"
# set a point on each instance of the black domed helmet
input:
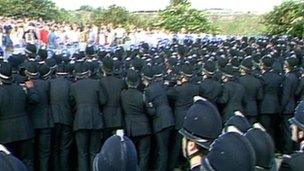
(202, 123)
(118, 153)
(263, 146)
(230, 152)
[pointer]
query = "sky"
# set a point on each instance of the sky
(261, 6)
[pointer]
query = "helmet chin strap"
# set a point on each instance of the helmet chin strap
(198, 153)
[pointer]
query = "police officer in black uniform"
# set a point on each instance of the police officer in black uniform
(63, 118)
(16, 129)
(253, 90)
(88, 96)
(182, 97)
(202, 125)
(288, 101)
(136, 118)
(162, 119)
(112, 110)
(269, 105)
(40, 115)
(294, 162)
(233, 93)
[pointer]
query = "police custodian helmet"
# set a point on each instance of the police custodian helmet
(117, 154)
(202, 123)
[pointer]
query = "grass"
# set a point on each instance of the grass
(240, 24)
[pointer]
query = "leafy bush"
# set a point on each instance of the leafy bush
(45, 9)
(287, 18)
(179, 16)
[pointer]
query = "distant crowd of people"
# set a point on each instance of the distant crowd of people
(17, 33)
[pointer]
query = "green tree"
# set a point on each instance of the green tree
(287, 18)
(86, 8)
(45, 9)
(177, 2)
(182, 16)
(117, 15)
(114, 14)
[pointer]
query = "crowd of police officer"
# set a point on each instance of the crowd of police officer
(50, 106)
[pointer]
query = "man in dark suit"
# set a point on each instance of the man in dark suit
(136, 119)
(63, 119)
(16, 130)
(269, 105)
(233, 93)
(288, 101)
(40, 115)
(182, 97)
(112, 110)
(162, 119)
(253, 90)
(88, 96)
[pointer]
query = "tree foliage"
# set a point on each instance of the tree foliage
(287, 18)
(177, 2)
(179, 15)
(114, 14)
(45, 9)
(118, 16)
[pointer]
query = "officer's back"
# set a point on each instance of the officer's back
(112, 110)
(210, 87)
(156, 94)
(237, 95)
(232, 95)
(182, 96)
(87, 96)
(290, 84)
(59, 100)
(14, 121)
(271, 82)
(39, 112)
(113, 87)
(137, 122)
(253, 88)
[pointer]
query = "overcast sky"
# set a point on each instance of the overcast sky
(144, 5)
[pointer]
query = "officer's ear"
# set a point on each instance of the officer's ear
(191, 147)
(300, 135)
(294, 132)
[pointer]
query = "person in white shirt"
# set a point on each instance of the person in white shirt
(120, 32)
(92, 36)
